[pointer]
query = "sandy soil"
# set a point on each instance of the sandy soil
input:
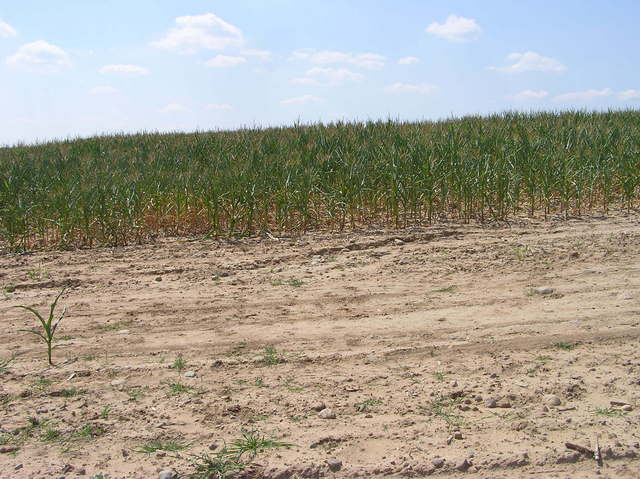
(431, 346)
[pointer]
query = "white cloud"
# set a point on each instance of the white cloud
(423, 88)
(219, 106)
(7, 30)
(629, 95)
(130, 70)
(408, 60)
(456, 29)
(301, 100)
(530, 95)
(580, 96)
(320, 76)
(103, 90)
(223, 61)
(200, 32)
(40, 57)
(531, 62)
(172, 108)
(262, 55)
(370, 61)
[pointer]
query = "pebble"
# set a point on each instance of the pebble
(438, 462)
(318, 406)
(158, 278)
(327, 413)
(18, 467)
(463, 465)
(458, 435)
(190, 374)
(118, 383)
(123, 331)
(490, 403)
(334, 464)
(552, 400)
(627, 407)
(503, 404)
(543, 290)
(167, 474)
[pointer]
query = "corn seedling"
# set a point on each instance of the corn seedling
(49, 327)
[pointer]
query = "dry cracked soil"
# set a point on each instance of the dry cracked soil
(447, 351)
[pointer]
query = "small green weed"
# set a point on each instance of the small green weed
(178, 388)
(114, 326)
(51, 434)
(135, 394)
(104, 414)
(166, 446)
(444, 408)
(271, 356)
(544, 357)
(180, 363)
(609, 412)
(564, 346)
(4, 364)
(41, 384)
(38, 274)
(367, 405)
(87, 432)
(439, 375)
(233, 460)
(448, 289)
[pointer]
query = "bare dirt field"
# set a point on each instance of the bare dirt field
(448, 351)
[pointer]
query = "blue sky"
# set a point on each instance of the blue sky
(81, 67)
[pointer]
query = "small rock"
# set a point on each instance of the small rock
(18, 467)
(458, 435)
(118, 383)
(504, 404)
(438, 462)
(327, 413)
(463, 465)
(125, 453)
(543, 290)
(520, 425)
(190, 374)
(167, 474)
(627, 407)
(552, 400)
(158, 278)
(318, 406)
(490, 403)
(334, 464)
(213, 446)
(398, 242)
(123, 331)
(160, 454)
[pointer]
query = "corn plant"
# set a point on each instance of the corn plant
(48, 326)
(122, 189)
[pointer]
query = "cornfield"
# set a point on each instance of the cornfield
(121, 189)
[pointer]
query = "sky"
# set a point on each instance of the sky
(76, 68)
